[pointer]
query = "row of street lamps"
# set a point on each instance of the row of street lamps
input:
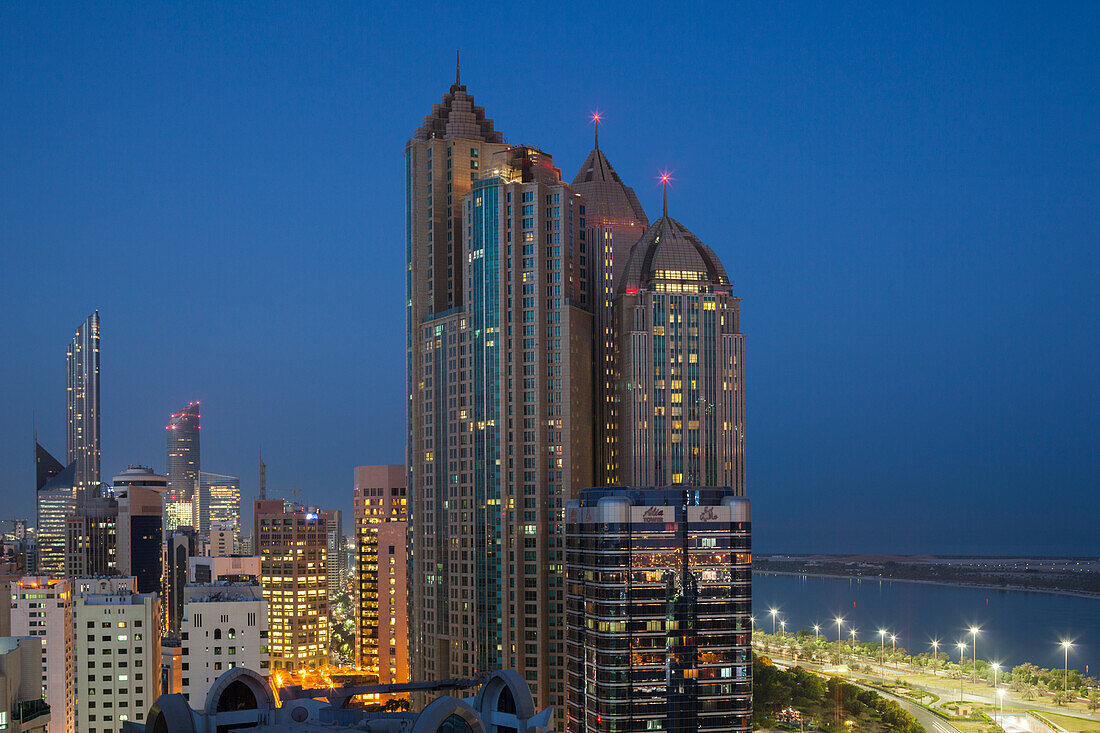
(883, 633)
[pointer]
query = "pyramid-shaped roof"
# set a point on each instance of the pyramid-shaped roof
(608, 199)
(458, 117)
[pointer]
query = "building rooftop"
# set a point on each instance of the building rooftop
(607, 199)
(457, 117)
(669, 254)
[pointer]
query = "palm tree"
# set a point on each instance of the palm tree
(1029, 691)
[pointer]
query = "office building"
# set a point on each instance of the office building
(55, 502)
(222, 541)
(117, 658)
(242, 699)
(22, 709)
(184, 464)
(219, 501)
(182, 546)
(140, 495)
(381, 521)
(82, 402)
(681, 405)
(42, 607)
(658, 605)
(615, 220)
(230, 569)
(91, 538)
(292, 546)
(224, 626)
(335, 556)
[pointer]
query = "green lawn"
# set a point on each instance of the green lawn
(1080, 725)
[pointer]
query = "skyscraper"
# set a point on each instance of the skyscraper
(82, 401)
(658, 601)
(292, 547)
(184, 464)
(140, 494)
(442, 159)
(615, 222)
(55, 503)
(381, 513)
(681, 406)
(504, 403)
(335, 559)
(91, 542)
(219, 502)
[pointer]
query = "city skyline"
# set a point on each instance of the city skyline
(915, 225)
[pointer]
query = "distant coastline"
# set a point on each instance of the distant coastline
(945, 583)
(1076, 577)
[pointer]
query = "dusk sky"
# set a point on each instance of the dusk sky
(906, 196)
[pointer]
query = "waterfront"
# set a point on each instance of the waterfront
(1017, 626)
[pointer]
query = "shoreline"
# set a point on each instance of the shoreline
(947, 584)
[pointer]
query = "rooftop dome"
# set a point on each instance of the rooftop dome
(669, 258)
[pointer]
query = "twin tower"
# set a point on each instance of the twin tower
(557, 340)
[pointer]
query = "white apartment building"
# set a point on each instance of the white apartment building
(22, 709)
(224, 626)
(118, 659)
(223, 541)
(43, 607)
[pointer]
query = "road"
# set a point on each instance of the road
(932, 723)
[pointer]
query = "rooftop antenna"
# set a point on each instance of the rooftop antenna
(458, 76)
(665, 177)
(263, 475)
(596, 117)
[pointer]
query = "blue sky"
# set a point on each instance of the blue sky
(905, 195)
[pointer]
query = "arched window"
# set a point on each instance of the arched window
(232, 633)
(455, 724)
(217, 633)
(506, 703)
(237, 696)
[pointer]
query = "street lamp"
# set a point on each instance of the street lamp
(962, 658)
(881, 653)
(817, 630)
(996, 669)
(1001, 716)
(773, 611)
(1066, 644)
(782, 626)
(852, 634)
(935, 654)
(839, 623)
(974, 631)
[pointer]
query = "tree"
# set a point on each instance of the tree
(1030, 691)
(1094, 700)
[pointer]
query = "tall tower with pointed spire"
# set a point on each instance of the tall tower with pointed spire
(82, 392)
(615, 220)
(444, 157)
(681, 395)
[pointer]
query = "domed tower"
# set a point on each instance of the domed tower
(681, 362)
(614, 220)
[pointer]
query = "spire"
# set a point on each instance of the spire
(665, 178)
(458, 75)
(596, 117)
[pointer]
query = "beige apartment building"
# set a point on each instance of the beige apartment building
(291, 545)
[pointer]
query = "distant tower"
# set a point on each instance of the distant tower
(82, 399)
(263, 477)
(140, 494)
(184, 465)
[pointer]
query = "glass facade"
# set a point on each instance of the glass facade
(658, 603)
(184, 466)
(82, 401)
